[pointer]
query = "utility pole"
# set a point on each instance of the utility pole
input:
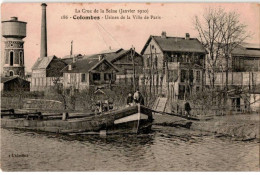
(167, 76)
(71, 48)
(156, 69)
(226, 91)
(151, 61)
(133, 62)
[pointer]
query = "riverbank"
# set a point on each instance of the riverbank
(242, 126)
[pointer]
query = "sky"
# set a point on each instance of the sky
(93, 36)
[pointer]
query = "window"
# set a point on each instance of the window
(83, 77)
(181, 92)
(11, 73)
(68, 77)
(96, 76)
(129, 71)
(183, 75)
(197, 89)
(172, 75)
(191, 76)
(156, 61)
(21, 57)
(11, 58)
(148, 61)
(108, 76)
(171, 58)
(198, 76)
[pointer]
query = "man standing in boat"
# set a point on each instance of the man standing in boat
(138, 98)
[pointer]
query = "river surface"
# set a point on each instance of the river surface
(164, 149)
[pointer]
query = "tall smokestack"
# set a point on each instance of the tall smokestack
(44, 32)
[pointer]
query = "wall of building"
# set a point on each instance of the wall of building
(18, 85)
(74, 80)
(245, 64)
(54, 68)
(251, 64)
(14, 46)
(156, 51)
(236, 78)
(40, 82)
(125, 64)
(255, 102)
(45, 78)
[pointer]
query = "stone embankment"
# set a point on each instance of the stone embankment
(242, 126)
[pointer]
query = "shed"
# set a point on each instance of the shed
(14, 84)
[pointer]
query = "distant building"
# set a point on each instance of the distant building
(122, 59)
(246, 58)
(174, 65)
(70, 58)
(244, 67)
(45, 71)
(14, 83)
(13, 31)
(89, 73)
(243, 76)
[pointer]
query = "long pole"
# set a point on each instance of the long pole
(157, 73)
(151, 60)
(71, 48)
(132, 55)
(167, 76)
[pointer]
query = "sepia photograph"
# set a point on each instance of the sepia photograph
(105, 87)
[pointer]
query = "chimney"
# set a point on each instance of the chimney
(14, 18)
(70, 67)
(163, 35)
(74, 59)
(100, 57)
(187, 36)
(43, 32)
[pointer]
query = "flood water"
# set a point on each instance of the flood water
(164, 149)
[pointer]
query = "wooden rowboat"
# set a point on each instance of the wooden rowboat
(133, 119)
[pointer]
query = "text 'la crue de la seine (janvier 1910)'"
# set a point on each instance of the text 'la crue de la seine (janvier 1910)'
(110, 14)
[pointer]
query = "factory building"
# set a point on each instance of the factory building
(47, 69)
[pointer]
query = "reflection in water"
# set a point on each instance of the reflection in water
(165, 149)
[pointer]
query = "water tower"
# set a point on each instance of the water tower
(13, 31)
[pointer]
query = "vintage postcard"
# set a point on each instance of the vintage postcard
(130, 86)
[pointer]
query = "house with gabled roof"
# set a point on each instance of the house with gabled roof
(45, 71)
(174, 65)
(128, 61)
(89, 73)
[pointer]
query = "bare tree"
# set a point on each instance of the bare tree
(19, 90)
(61, 92)
(219, 32)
